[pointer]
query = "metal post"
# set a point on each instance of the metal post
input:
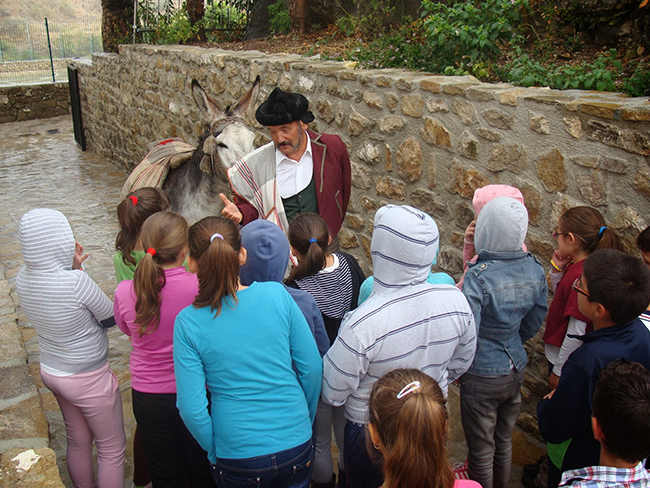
(29, 41)
(61, 41)
(90, 36)
(135, 13)
(49, 46)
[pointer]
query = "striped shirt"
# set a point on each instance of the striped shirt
(64, 306)
(331, 288)
(430, 328)
(405, 323)
(606, 477)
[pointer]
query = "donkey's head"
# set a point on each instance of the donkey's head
(229, 138)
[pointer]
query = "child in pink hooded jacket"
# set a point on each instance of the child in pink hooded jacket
(481, 197)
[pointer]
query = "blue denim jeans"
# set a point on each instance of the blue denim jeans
(489, 408)
(284, 469)
(362, 472)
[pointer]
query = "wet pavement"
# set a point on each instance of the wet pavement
(41, 166)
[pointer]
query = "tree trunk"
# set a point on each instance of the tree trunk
(298, 15)
(258, 21)
(195, 12)
(117, 20)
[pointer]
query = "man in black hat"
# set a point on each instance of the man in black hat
(300, 171)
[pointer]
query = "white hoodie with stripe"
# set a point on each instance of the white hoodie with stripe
(405, 323)
(64, 306)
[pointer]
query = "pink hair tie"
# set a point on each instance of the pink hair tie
(134, 199)
(151, 251)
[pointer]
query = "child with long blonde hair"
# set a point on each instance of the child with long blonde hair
(145, 309)
(408, 425)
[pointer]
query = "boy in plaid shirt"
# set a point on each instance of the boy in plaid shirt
(621, 424)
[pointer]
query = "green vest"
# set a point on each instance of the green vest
(301, 202)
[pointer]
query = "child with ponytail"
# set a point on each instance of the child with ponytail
(580, 231)
(251, 346)
(145, 309)
(408, 426)
(334, 281)
(131, 214)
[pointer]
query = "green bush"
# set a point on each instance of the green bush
(399, 48)
(599, 75)
(461, 34)
(370, 19)
(453, 39)
(279, 20)
(638, 85)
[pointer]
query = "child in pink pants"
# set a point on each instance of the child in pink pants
(70, 314)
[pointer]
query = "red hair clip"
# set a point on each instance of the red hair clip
(134, 199)
(151, 251)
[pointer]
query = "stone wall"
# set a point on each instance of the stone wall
(25, 458)
(34, 102)
(413, 138)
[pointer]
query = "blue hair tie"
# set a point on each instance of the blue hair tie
(312, 240)
(602, 229)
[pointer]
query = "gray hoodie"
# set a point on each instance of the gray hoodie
(405, 323)
(492, 235)
(65, 306)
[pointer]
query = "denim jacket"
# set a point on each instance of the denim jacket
(507, 294)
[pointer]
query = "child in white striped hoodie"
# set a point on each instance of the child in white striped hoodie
(70, 314)
(405, 323)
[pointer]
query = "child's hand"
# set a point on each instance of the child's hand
(469, 232)
(559, 260)
(553, 380)
(548, 396)
(79, 256)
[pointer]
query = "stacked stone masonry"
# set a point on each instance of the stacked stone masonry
(413, 138)
(25, 458)
(30, 102)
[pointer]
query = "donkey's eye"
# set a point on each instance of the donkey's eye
(221, 144)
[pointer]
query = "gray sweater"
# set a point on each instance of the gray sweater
(65, 306)
(405, 323)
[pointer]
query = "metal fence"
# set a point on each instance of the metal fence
(37, 52)
(162, 21)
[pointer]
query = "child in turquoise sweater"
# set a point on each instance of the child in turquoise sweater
(244, 343)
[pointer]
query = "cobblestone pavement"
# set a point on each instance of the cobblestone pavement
(41, 166)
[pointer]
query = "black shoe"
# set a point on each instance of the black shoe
(529, 475)
(343, 480)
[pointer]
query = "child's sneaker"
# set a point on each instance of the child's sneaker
(461, 470)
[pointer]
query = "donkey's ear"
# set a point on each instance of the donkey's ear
(248, 99)
(206, 105)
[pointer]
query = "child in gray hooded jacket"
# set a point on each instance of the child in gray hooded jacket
(405, 323)
(506, 290)
(70, 314)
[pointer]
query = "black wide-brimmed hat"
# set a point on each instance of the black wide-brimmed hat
(283, 108)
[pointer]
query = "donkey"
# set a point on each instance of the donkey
(194, 187)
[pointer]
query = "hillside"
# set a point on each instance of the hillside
(55, 10)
